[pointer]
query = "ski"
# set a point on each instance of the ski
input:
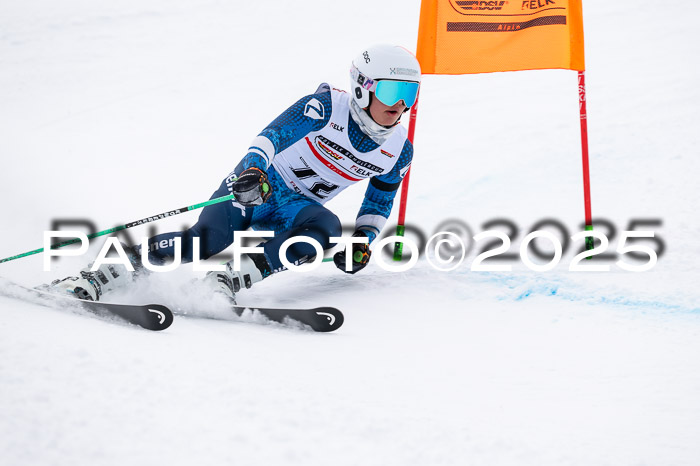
(320, 319)
(159, 317)
(149, 316)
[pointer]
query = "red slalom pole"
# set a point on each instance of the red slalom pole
(584, 155)
(400, 228)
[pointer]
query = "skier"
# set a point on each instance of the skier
(319, 146)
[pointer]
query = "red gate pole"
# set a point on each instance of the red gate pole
(400, 227)
(584, 155)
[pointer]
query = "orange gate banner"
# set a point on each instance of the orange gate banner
(483, 36)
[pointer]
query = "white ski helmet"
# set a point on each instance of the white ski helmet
(396, 66)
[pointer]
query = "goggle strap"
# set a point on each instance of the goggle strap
(365, 82)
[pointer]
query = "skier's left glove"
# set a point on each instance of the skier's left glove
(360, 255)
(252, 187)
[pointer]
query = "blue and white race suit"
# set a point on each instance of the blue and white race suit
(311, 152)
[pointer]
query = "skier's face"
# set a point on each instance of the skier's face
(384, 114)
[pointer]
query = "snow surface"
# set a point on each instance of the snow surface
(114, 111)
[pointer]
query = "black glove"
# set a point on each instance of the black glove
(252, 187)
(360, 255)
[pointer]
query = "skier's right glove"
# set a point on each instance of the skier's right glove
(252, 187)
(360, 255)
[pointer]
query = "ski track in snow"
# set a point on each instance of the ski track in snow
(116, 111)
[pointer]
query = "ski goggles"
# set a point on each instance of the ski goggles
(388, 91)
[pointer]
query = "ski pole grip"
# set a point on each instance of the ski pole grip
(398, 246)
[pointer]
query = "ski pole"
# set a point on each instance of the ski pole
(124, 227)
(401, 226)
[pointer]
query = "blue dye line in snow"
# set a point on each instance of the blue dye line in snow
(526, 289)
